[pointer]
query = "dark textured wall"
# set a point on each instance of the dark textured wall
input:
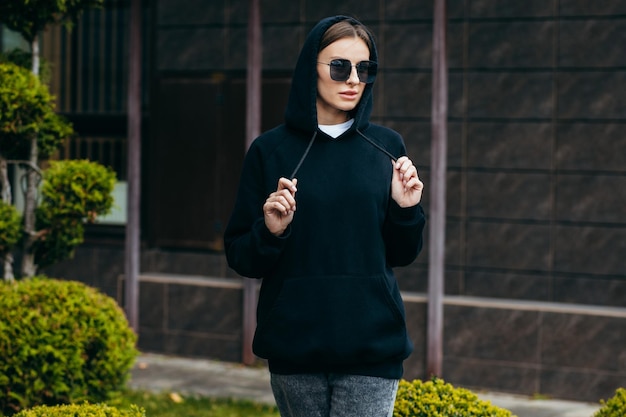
(537, 126)
(536, 204)
(537, 145)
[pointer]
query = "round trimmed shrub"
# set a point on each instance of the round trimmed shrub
(82, 410)
(61, 342)
(74, 192)
(436, 398)
(615, 406)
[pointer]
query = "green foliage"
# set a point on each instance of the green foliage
(25, 60)
(27, 111)
(73, 192)
(23, 101)
(78, 188)
(615, 406)
(55, 130)
(436, 398)
(61, 342)
(10, 227)
(58, 238)
(83, 410)
(29, 17)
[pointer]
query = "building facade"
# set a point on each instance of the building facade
(535, 261)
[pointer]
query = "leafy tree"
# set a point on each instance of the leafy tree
(31, 17)
(34, 137)
(26, 116)
(73, 192)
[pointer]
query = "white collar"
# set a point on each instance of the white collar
(334, 131)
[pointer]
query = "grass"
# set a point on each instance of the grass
(176, 405)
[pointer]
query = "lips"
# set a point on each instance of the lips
(349, 95)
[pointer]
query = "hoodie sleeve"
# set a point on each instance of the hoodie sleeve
(403, 227)
(403, 231)
(251, 249)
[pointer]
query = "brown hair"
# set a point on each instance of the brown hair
(346, 29)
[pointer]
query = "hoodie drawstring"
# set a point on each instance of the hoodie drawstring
(377, 146)
(306, 152)
(308, 148)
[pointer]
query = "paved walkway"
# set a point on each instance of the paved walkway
(159, 373)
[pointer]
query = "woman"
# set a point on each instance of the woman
(331, 321)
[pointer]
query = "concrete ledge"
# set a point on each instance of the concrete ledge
(509, 304)
(198, 280)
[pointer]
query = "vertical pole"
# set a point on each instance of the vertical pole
(253, 129)
(438, 193)
(253, 99)
(131, 268)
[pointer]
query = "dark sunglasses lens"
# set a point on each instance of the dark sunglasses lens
(340, 69)
(366, 71)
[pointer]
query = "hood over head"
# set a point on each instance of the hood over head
(301, 113)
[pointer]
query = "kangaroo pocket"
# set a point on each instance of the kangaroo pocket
(333, 320)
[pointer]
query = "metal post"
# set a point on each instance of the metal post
(134, 169)
(438, 193)
(253, 129)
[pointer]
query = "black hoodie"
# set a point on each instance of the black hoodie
(329, 301)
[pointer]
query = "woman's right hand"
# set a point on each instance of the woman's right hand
(280, 206)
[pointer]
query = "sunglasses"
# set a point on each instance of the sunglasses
(341, 69)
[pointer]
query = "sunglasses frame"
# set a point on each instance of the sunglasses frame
(340, 64)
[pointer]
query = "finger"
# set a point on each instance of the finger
(286, 195)
(284, 199)
(403, 165)
(410, 173)
(406, 166)
(414, 183)
(400, 161)
(284, 183)
(288, 201)
(275, 207)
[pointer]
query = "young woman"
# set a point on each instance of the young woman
(331, 321)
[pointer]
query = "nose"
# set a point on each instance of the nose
(354, 76)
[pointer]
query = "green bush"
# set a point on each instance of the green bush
(436, 398)
(78, 188)
(74, 192)
(83, 410)
(10, 227)
(27, 111)
(61, 342)
(24, 59)
(615, 406)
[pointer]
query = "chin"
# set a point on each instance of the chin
(346, 108)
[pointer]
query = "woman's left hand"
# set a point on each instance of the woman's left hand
(406, 187)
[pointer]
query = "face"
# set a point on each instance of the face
(336, 98)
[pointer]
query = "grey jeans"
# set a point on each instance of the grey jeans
(334, 395)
